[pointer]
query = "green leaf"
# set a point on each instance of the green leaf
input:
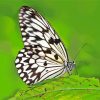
(63, 88)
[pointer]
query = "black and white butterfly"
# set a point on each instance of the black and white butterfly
(44, 55)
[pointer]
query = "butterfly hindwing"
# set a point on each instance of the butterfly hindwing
(34, 66)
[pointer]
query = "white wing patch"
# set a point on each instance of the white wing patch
(43, 54)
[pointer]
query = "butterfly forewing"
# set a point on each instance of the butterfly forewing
(35, 30)
(43, 54)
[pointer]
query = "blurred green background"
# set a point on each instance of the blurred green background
(77, 23)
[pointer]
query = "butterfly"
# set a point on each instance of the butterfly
(44, 55)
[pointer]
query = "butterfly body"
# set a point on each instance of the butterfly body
(44, 55)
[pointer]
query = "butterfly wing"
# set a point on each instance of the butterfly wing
(43, 54)
(36, 30)
(34, 65)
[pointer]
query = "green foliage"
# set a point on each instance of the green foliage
(76, 21)
(64, 88)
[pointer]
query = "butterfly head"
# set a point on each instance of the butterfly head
(69, 66)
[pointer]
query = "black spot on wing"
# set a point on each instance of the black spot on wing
(25, 75)
(35, 30)
(24, 27)
(32, 15)
(29, 67)
(45, 63)
(20, 58)
(45, 30)
(33, 70)
(56, 57)
(47, 51)
(51, 40)
(38, 38)
(38, 76)
(37, 51)
(35, 46)
(25, 8)
(26, 36)
(30, 54)
(27, 60)
(57, 41)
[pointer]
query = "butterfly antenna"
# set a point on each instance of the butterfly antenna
(78, 54)
(79, 50)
